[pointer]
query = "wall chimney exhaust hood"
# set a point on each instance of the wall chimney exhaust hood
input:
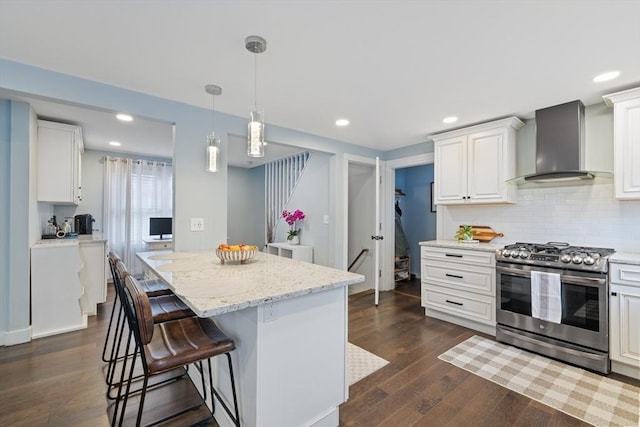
(560, 142)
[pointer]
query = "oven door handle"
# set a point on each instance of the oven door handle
(565, 278)
(583, 353)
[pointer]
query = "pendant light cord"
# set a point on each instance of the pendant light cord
(255, 80)
(213, 114)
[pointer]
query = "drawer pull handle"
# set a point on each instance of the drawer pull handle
(454, 303)
(454, 275)
(614, 294)
(453, 255)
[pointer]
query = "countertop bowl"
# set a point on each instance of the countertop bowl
(242, 255)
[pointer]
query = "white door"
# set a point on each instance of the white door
(363, 223)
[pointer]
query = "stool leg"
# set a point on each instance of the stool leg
(106, 338)
(214, 394)
(233, 389)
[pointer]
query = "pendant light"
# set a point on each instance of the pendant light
(255, 129)
(213, 142)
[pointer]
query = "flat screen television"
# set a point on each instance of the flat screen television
(162, 227)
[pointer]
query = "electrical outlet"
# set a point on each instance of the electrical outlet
(325, 219)
(197, 224)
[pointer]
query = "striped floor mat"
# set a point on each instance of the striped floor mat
(593, 398)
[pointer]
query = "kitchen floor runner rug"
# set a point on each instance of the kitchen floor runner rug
(590, 397)
(362, 363)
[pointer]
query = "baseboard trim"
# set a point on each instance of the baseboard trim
(16, 337)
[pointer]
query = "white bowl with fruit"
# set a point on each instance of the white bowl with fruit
(240, 252)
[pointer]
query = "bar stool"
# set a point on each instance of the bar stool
(152, 287)
(163, 308)
(169, 345)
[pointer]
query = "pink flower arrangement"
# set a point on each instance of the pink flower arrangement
(291, 218)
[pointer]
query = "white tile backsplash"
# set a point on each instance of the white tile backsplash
(584, 213)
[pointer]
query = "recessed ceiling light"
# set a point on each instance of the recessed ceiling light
(342, 122)
(115, 143)
(450, 119)
(604, 77)
(124, 117)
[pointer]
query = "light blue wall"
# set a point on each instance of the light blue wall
(411, 150)
(17, 198)
(198, 193)
(418, 222)
(246, 213)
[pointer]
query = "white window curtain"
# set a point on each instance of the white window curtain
(135, 190)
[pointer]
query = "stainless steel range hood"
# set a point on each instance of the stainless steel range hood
(560, 144)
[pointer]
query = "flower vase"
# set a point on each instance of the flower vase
(295, 240)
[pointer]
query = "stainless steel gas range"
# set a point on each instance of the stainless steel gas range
(552, 299)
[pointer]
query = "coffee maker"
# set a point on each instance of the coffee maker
(83, 223)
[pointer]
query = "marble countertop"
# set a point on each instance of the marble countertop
(210, 288)
(66, 241)
(485, 247)
(625, 258)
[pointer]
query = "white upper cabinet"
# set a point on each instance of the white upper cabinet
(473, 164)
(59, 157)
(626, 143)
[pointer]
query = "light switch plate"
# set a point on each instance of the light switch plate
(197, 224)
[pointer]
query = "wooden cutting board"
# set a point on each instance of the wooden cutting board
(483, 233)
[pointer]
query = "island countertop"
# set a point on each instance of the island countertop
(210, 288)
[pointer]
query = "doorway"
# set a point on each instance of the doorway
(408, 194)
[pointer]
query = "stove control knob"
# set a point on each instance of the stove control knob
(565, 258)
(589, 260)
(577, 259)
(506, 253)
(514, 254)
(524, 254)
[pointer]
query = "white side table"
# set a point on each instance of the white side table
(158, 245)
(299, 252)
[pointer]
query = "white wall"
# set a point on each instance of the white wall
(312, 195)
(583, 214)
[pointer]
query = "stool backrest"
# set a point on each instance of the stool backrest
(141, 309)
(113, 260)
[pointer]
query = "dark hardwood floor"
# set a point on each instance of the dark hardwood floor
(58, 381)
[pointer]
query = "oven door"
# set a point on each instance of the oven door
(585, 311)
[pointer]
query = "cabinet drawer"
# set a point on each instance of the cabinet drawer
(624, 274)
(460, 276)
(459, 255)
(470, 306)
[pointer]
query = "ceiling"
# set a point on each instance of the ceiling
(395, 69)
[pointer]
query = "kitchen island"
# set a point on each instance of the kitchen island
(289, 322)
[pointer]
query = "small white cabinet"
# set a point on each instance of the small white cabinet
(459, 286)
(473, 164)
(624, 305)
(60, 147)
(158, 245)
(299, 252)
(626, 143)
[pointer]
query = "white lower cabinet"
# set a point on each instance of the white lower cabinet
(459, 286)
(624, 316)
(93, 275)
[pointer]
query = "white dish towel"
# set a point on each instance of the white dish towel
(546, 296)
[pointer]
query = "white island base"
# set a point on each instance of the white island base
(290, 361)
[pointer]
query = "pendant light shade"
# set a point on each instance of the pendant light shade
(255, 128)
(213, 142)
